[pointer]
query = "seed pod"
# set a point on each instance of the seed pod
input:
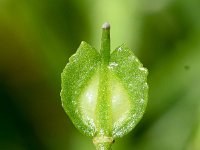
(105, 95)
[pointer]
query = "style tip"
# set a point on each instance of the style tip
(106, 25)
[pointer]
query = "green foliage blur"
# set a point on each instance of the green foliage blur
(38, 36)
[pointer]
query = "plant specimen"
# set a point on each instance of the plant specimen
(103, 93)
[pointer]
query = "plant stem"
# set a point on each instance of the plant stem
(103, 143)
(103, 139)
(103, 146)
(105, 43)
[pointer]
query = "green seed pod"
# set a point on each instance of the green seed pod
(105, 95)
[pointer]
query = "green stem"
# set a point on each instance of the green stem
(105, 43)
(103, 146)
(103, 143)
(103, 139)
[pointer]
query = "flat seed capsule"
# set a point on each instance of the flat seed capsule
(105, 95)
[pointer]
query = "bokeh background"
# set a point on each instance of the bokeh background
(38, 36)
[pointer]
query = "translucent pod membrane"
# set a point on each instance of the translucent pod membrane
(120, 101)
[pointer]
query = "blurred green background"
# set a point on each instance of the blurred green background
(38, 36)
